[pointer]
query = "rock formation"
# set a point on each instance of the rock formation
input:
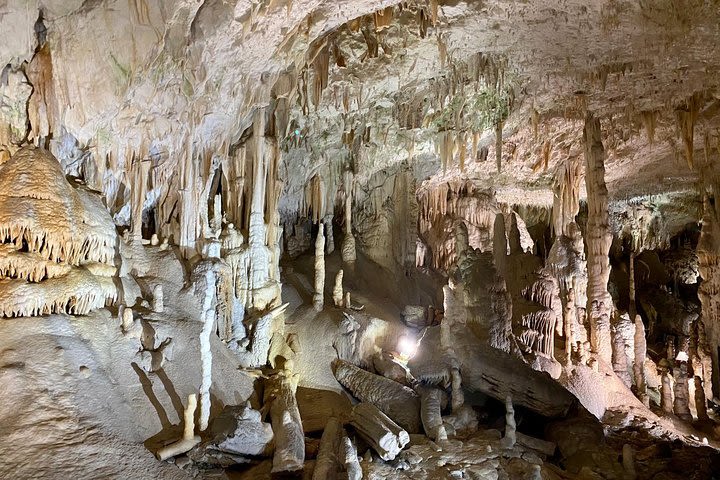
(58, 242)
(599, 238)
(189, 439)
(319, 293)
(521, 197)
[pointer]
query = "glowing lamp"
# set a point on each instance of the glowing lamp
(407, 347)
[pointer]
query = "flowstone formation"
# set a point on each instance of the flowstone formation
(58, 241)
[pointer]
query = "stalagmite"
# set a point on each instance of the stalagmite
(700, 400)
(127, 319)
(431, 405)
(457, 397)
(639, 363)
(262, 331)
(208, 318)
(189, 439)
(206, 367)
(619, 358)
(666, 400)
(286, 423)
(338, 290)
(378, 430)
(599, 238)
(158, 305)
(628, 460)
(318, 295)
(681, 405)
(329, 235)
(327, 463)
(508, 440)
(350, 458)
(398, 402)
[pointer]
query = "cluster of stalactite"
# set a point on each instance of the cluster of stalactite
(457, 200)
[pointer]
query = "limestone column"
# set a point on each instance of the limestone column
(599, 239)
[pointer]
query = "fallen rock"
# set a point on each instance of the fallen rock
(238, 435)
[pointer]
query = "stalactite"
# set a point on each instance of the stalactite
(315, 194)
(599, 238)
(649, 120)
(320, 65)
(686, 118)
(43, 108)
(498, 145)
(383, 18)
(141, 170)
(566, 198)
(348, 245)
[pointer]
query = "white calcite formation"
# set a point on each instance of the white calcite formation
(378, 430)
(338, 297)
(189, 439)
(522, 198)
(58, 241)
(397, 401)
(509, 439)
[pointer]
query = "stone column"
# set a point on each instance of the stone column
(599, 239)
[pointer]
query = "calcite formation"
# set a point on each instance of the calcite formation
(58, 241)
(520, 197)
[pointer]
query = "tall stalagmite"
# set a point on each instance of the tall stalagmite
(599, 239)
(318, 299)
